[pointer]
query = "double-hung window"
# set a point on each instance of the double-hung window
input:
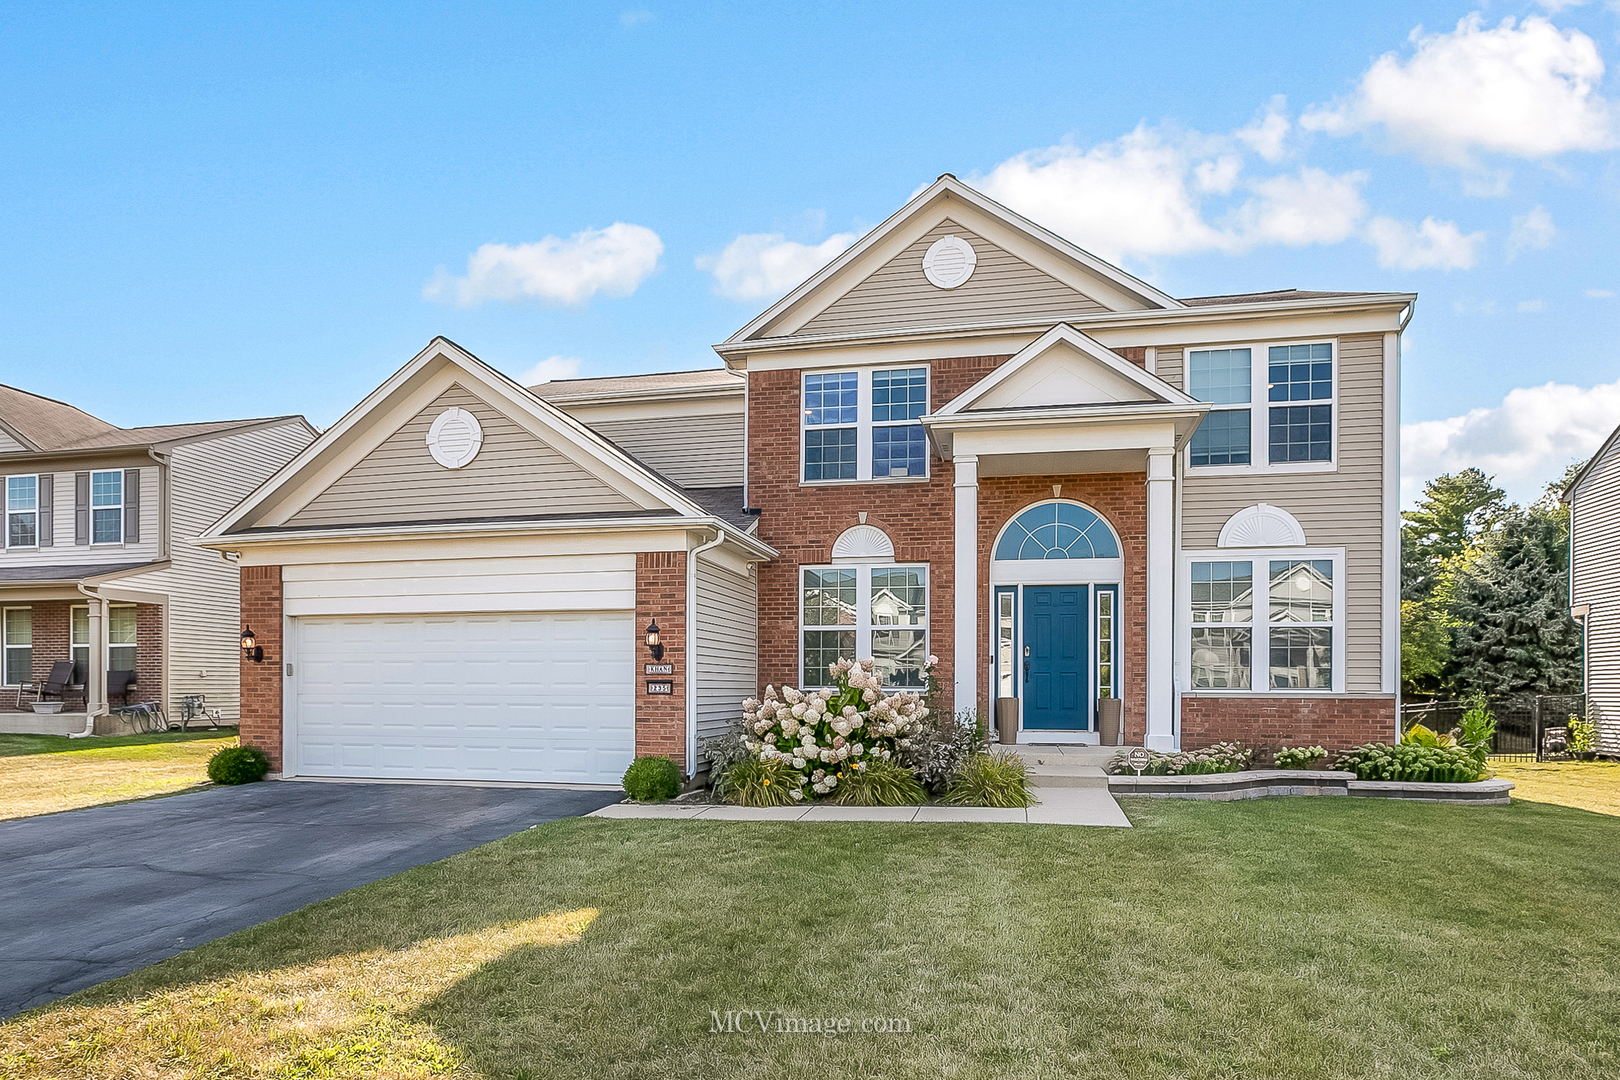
(19, 646)
(107, 507)
(22, 511)
(1297, 383)
(862, 425)
(864, 612)
(120, 639)
(1281, 609)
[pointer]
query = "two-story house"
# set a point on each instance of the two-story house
(1593, 498)
(965, 437)
(97, 569)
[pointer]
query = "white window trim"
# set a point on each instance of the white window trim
(864, 425)
(6, 499)
(122, 508)
(1261, 643)
(6, 646)
(107, 642)
(863, 625)
(1260, 433)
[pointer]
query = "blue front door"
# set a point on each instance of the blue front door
(1055, 646)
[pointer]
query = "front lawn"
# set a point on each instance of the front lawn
(1584, 785)
(1283, 938)
(41, 774)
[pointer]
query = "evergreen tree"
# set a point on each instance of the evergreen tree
(1455, 511)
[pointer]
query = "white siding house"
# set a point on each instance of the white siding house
(1594, 587)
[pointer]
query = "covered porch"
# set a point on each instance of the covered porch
(1065, 462)
(74, 639)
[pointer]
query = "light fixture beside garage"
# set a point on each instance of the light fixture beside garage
(251, 649)
(654, 646)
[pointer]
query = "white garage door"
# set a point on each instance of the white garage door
(543, 697)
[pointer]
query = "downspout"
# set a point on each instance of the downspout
(691, 648)
(95, 675)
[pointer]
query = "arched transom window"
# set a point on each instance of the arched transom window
(1057, 530)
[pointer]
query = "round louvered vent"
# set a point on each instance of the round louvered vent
(949, 262)
(454, 438)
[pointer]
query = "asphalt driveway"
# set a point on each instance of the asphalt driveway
(89, 895)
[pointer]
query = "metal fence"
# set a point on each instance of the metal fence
(1520, 722)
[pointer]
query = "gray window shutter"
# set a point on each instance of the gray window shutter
(47, 488)
(132, 506)
(81, 508)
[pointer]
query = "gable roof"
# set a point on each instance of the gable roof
(1591, 464)
(401, 397)
(658, 384)
(1116, 371)
(44, 425)
(1271, 296)
(1121, 290)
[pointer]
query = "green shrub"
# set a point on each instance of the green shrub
(237, 765)
(652, 779)
(1299, 757)
(994, 779)
(941, 743)
(752, 782)
(879, 783)
(723, 752)
(1221, 758)
(1582, 735)
(1413, 763)
(1477, 729)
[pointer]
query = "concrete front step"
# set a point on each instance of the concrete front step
(1067, 776)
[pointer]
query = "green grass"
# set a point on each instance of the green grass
(44, 774)
(1287, 938)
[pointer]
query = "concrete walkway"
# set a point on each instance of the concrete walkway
(1068, 783)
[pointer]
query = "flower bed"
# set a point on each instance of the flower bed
(1221, 758)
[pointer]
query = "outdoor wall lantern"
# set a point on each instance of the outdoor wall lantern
(251, 649)
(654, 646)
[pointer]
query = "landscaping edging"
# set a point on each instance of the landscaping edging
(1263, 783)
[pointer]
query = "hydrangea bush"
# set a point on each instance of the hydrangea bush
(822, 735)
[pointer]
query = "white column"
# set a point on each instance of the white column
(95, 679)
(966, 589)
(1161, 606)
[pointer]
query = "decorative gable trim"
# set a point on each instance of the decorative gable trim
(1261, 526)
(862, 543)
(1153, 389)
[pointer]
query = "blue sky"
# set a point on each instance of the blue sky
(214, 210)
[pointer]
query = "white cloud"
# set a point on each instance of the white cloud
(552, 367)
(1555, 6)
(1430, 245)
(1532, 230)
(757, 265)
(1521, 89)
(1600, 294)
(1532, 306)
(1266, 132)
(614, 261)
(1311, 208)
(1525, 442)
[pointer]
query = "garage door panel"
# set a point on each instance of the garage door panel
(542, 697)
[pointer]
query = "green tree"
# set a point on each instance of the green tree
(1455, 511)
(1425, 647)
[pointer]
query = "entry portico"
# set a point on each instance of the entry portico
(1065, 407)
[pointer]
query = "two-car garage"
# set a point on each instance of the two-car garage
(524, 697)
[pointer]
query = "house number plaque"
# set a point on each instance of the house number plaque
(659, 669)
(660, 687)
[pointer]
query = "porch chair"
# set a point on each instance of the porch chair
(120, 684)
(57, 682)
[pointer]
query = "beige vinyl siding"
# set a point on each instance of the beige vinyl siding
(1002, 287)
(1595, 580)
(63, 551)
(728, 653)
(514, 474)
(461, 586)
(206, 479)
(693, 451)
(1336, 509)
(10, 445)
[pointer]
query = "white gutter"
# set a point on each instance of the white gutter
(692, 648)
(95, 675)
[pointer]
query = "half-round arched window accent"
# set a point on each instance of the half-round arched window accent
(1058, 530)
(863, 543)
(1261, 525)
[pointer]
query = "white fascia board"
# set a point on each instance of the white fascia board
(473, 531)
(1568, 497)
(948, 185)
(1151, 385)
(1176, 326)
(1069, 434)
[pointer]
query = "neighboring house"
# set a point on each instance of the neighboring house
(1594, 584)
(96, 566)
(964, 437)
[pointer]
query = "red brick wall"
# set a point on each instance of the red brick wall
(149, 655)
(261, 682)
(52, 644)
(1336, 722)
(661, 596)
(50, 636)
(803, 521)
(1121, 498)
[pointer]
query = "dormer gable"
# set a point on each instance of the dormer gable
(1064, 368)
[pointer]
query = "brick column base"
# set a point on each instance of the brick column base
(261, 682)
